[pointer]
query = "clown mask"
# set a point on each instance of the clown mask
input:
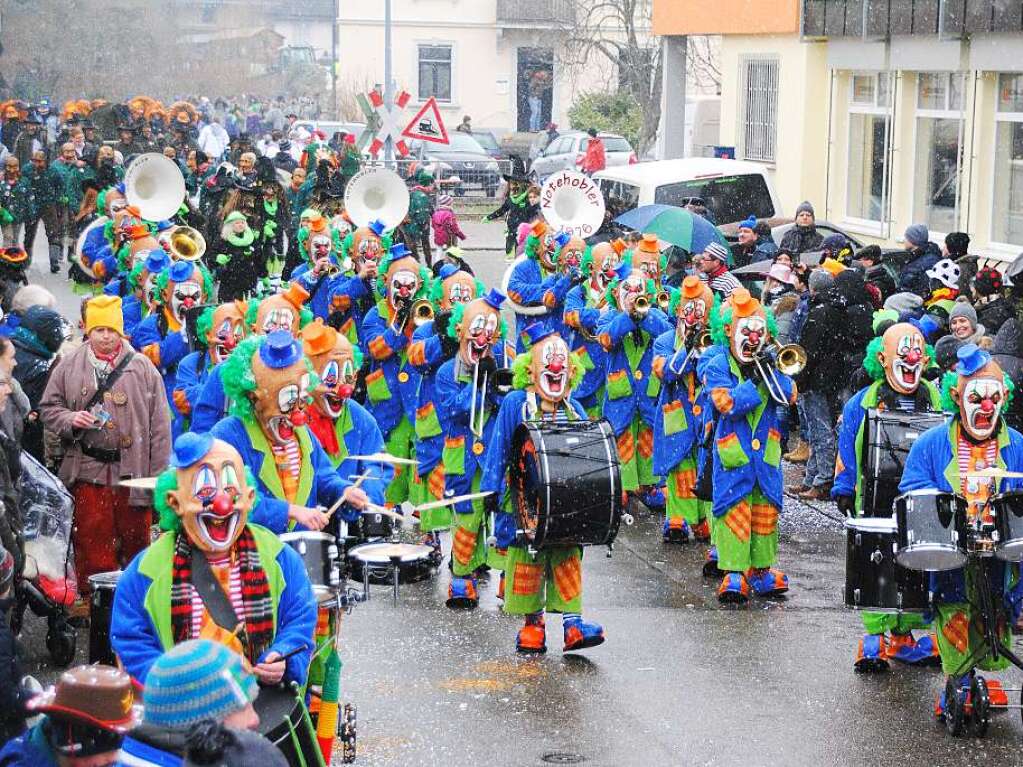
(179, 297)
(981, 398)
(903, 357)
(479, 329)
(629, 289)
(570, 258)
(605, 261)
(366, 246)
(280, 398)
(545, 252)
(550, 369)
(648, 263)
(337, 372)
(227, 329)
(459, 288)
(749, 337)
(213, 498)
(341, 225)
(114, 203)
(276, 313)
(402, 282)
(694, 307)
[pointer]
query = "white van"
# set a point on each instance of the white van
(731, 189)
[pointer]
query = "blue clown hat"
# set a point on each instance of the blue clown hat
(623, 270)
(164, 225)
(279, 350)
(157, 260)
(181, 271)
(495, 298)
(399, 251)
(447, 270)
(378, 227)
(562, 238)
(98, 254)
(971, 359)
(189, 448)
(928, 325)
(536, 332)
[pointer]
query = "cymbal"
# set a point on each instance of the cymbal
(995, 473)
(452, 500)
(385, 458)
(140, 483)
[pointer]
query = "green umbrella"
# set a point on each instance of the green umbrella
(673, 225)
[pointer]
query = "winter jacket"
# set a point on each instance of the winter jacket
(913, 277)
(30, 749)
(17, 199)
(595, 157)
(785, 306)
(446, 231)
(36, 340)
(518, 213)
(824, 356)
(857, 329)
(1008, 353)
(581, 312)
(12, 720)
(211, 403)
(993, 313)
(760, 250)
(800, 239)
(391, 382)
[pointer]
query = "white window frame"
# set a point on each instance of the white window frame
(947, 113)
(997, 246)
(450, 45)
(769, 110)
(871, 226)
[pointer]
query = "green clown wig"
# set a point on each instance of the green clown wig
(721, 316)
(240, 381)
(349, 241)
(520, 370)
(611, 292)
(163, 278)
(425, 283)
(874, 367)
(951, 378)
(456, 317)
(437, 289)
(203, 325)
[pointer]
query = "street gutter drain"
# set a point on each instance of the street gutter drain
(562, 757)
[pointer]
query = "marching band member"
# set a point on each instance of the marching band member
(141, 298)
(682, 416)
(219, 330)
(355, 293)
(342, 425)
(942, 459)
(467, 393)
(627, 330)
(320, 274)
(161, 335)
(392, 383)
(280, 311)
(646, 257)
(896, 361)
(583, 306)
(211, 546)
(549, 580)
(747, 451)
(267, 380)
(534, 281)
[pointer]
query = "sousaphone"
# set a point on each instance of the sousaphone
(376, 194)
(155, 185)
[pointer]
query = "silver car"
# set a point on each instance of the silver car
(567, 150)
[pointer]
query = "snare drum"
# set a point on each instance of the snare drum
(1007, 509)
(932, 530)
(320, 555)
(284, 721)
(101, 611)
(565, 483)
(873, 579)
(414, 561)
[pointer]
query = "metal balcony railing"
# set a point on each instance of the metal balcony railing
(884, 18)
(535, 13)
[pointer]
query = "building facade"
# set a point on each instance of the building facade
(882, 114)
(504, 62)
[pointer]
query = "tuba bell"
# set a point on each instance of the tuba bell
(186, 244)
(376, 194)
(572, 202)
(155, 185)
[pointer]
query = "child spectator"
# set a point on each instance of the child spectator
(446, 231)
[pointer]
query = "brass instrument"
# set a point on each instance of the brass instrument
(187, 244)
(696, 344)
(422, 312)
(663, 300)
(641, 306)
(478, 410)
(789, 360)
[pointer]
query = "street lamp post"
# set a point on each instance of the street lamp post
(388, 88)
(333, 58)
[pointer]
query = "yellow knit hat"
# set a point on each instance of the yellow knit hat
(833, 267)
(104, 312)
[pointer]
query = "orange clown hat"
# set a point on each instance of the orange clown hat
(649, 244)
(318, 338)
(744, 304)
(317, 223)
(693, 287)
(539, 229)
(296, 295)
(619, 245)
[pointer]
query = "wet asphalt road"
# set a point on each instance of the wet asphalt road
(680, 680)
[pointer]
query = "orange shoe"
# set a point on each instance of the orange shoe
(532, 639)
(996, 693)
(733, 589)
(701, 531)
(500, 588)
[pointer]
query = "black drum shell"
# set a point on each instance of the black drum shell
(281, 712)
(932, 530)
(1007, 509)
(409, 570)
(100, 614)
(873, 579)
(321, 555)
(573, 484)
(887, 439)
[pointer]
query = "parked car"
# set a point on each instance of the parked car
(730, 189)
(567, 150)
(459, 165)
(488, 141)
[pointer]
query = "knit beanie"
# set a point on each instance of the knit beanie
(820, 280)
(917, 235)
(805, 207)
(196, 680)
(964, 309)
(945, 351)
(104, 312)
(957, 244)
(903, 302)
(716, 251)
(749, 222)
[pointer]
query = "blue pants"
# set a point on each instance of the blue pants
(820, 468)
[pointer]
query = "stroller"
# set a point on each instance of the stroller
(47, 586)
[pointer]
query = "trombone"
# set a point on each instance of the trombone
(478, 409)
(696, 344)
(789, 359)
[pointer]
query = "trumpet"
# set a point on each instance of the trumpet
(641, 306)
(422, 312)
(696, 344)
(789, 359)
(186, 244)
(663, 300)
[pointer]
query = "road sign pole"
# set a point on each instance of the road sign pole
(388, 88)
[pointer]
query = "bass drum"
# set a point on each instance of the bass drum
(565, 483)
(873, 579)
(101, 612)
(285, 722)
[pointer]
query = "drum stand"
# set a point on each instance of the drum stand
(957, 718)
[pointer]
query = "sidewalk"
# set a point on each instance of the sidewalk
(480, 235)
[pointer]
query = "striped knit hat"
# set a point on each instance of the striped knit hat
(193, 681)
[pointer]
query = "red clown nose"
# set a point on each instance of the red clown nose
(913, 356)
(555, 366)
(344, 391)
(298, 418)
(222, 505)
(987, 406)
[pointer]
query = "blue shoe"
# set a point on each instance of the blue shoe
(675, 530)
(710, 565)
(768, 582)
(918, 652)
(733, 589)
(462, 594)
(654, 499)
(580, 635)
(872, 655)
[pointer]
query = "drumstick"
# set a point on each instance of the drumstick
(451, 501)
(339, 501)
(372, 508)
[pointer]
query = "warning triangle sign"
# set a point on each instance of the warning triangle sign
(427, 124)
